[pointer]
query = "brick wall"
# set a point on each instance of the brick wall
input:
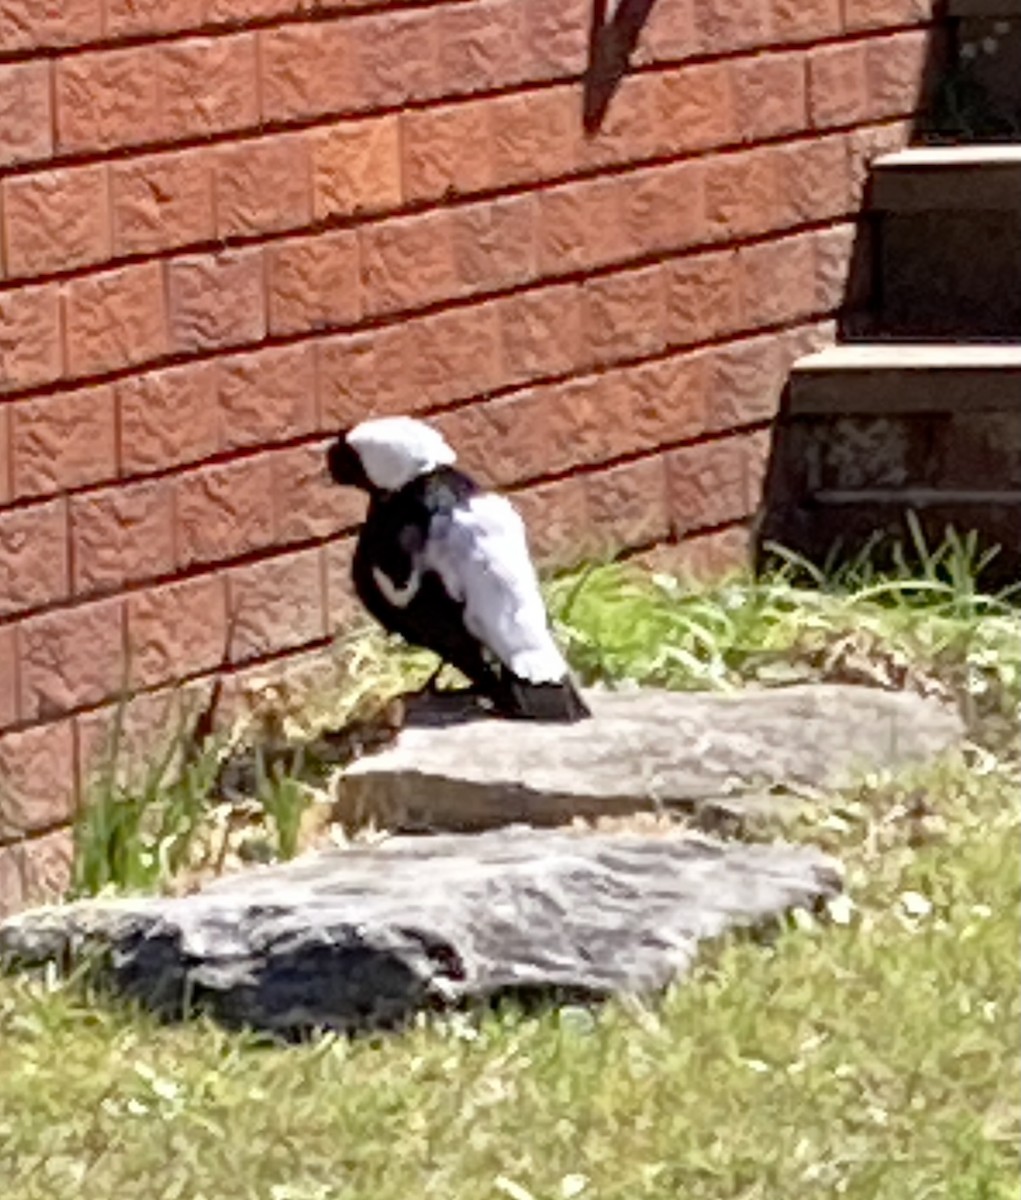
(232, 226)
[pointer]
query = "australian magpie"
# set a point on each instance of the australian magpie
(446, 565)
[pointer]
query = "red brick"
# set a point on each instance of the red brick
(878, 14)
(168, 417)
(263, 186)
(366, 374)
(268, 396)
(695, 108)
(224, 511)
(26, 127)
(895, 68)
(162, 201)
(30, 349)
(663, 208)
(806, 20)
(659, 402)
(115, 319)
(122, 534)
(628, 504)
(624, 315)
(216, 300)
(668, 33)
(276, 605)
(770, 95)
(208, 85)
(709, 484)
(813, 181)
(842, 267)
(71, 658)
(455, 355)
(33, 556)
(779, 280)
(407, 263)
(581, 226)
(39, 23)
(632, 127)
(309, 504)
(495, 243)
(703, 557)
(8, 676)
(556, 516)
(131, 18)
(741, 195)
(307, 70)
(723, 25)
(6, 456)
(534, 136)
(107, 99)
(37, 767)
(35, 871)
(864, 145)
(356, 167)
(395, 58)
(343, 608)
(481, 45)
(446, 151)
(56, 220)
(703, 297)
(177, 630)
(557, 37)
(745, 381)
(64, 441)
(837, 85)
(314, 283)
(541, 333)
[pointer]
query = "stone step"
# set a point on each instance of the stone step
(949, 241)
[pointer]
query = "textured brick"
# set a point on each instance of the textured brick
(557, 37)
(162, 201)
(33, 556)
(806, 20)
(446, 151)
(878, 14)
(107, 99)
(343, 608)
(309, 505)
(723, 25)
(495, 243)
(624, 315)
(813, 181)
(534, 136)
(695, 108)
(30, 350)
(837, 85)
(37, 767)
(541, 333)
(702, 557)
(35, 871)
(658, 402)
(307, 70)
(263, 186)
(224, 511)
(71, 658)
(8, 676)
(6, 459)
(628, 504)
(633, 126)
(168, 417)
(216, 300)
(121, 535)
(313, 283)
(779, 280)
(64, 441)
(367, 374)
(407, 263)
(668, 32)
(455, 355)
(703, 297)
(357, 167)
(267, 396)
(56, 220)
(481, 45)
(709, 484)
(396, 58)
(770, 95)
(208, 85)
(115, 319)
(177, 630)
(895, 69)
(276, 605)
(842, 267)
(740, 193)
(864, 145)
(745, 381)
(556, 516)
(26, 128)
(580, 226)
(663, 208)
(38, 23)
(132, 18)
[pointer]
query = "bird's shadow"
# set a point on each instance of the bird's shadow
(441, 709)
(612, 40)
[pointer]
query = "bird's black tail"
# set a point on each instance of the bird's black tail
(526, 701)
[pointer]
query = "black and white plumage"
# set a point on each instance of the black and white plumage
(446, 565)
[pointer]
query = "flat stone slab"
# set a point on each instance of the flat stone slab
(363, 938)
(710, 755)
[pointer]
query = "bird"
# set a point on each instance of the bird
(445, 564)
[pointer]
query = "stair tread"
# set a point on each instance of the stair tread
(966, 179)
(913, 356)
(993, 154)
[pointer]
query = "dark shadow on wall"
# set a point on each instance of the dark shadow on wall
(612, 40)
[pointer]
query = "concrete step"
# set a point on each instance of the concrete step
(949, 241)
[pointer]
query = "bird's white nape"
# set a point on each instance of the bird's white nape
(396, 450)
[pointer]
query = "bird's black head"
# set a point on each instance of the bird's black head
(346, 467)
